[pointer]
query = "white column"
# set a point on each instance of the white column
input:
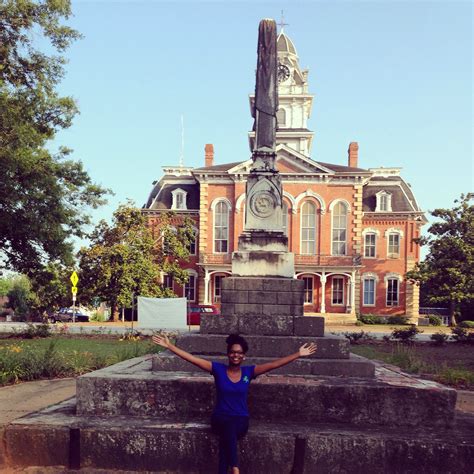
(207, 277)
(353, 283)
(323, 292)
(349, 295)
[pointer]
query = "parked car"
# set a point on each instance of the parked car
(64, 315)
(195, 311)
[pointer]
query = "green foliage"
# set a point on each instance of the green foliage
(447, 273)
(372, 319)
(467, 324)
(125, 259)
(458, 377)
(20, 295)
(397, 320)
(407, 359)
(406, 335)
(44, 195)
(439, 338)
(462, 335)
(34, 330)
(358, 337)
(434, 320)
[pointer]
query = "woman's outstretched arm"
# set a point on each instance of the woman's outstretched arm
(163, 341)
(305, 350)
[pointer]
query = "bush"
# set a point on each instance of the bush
(372, 319)
(467, 324)
(98, 317)
(460, 334)
(397, 320)
(32, 331)
(356, 337)
(407, 359)
(439, 338)
(434, 320)
(359, 323)
(406, 335)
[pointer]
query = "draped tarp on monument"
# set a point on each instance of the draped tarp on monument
(162, 313)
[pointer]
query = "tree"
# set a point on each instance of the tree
(448, 271)
(125, 259)
(20, 296)
(44, 196)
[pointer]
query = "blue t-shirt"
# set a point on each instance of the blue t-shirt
(231, 397)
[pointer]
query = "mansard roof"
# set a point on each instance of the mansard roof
(161, 197)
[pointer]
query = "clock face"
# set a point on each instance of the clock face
(283, 73)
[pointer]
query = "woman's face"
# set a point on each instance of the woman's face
(236, 354)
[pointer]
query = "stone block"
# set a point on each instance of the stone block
(309, 326)
(290, 297)
(273, 325)
(277, 284)
(252, 308)
(289, 309)
(262, 297)
(297, 285)
(220, 324)
(227, 309)
(227, 283)
(248, 283)
(263, 264)
(235, 296)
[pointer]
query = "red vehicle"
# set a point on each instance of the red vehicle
(195, 311)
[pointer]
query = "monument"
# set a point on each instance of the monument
(331, 412)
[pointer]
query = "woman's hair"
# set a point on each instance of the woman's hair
(236, 339)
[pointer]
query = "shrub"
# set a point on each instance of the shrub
(460, 334)
(32, 331)
(397, 320)
(372, 319)
(98, 317)
(459, 377)
(406, 335)
(359, 323)
(439, 338)
(467, 324)
(434, 320)
(356, 337)
(405, 358)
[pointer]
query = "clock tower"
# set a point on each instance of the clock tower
(295, 102)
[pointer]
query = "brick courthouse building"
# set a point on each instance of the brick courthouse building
(351, 229)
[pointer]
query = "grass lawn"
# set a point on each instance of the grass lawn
(65, 356)
(451, 364)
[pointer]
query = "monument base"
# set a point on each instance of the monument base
(263, 264)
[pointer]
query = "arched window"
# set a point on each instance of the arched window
(281, 118)
(339, 229)
(221, 228)
(308, 228)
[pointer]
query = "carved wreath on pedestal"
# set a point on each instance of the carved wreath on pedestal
(262, 204)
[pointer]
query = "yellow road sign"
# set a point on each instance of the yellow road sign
(74, 290)
(74, 278)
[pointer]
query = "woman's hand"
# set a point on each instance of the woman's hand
(307, 349)
(161, 340)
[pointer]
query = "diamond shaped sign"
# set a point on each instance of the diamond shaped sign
(74, 278)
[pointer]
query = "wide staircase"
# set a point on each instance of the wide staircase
(332, 412)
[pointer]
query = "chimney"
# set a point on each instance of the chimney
(353, 152)
(209, 154)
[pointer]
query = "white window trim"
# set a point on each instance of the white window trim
(214, 204)
(348, 209)
(312, 290)
(387, 278)
(365, 244)
(196, 241)
(394, 255)
(306, 194)
(315, 228)
(371, 277)
(194, 274)
(175, 193)
(214, 288)
(343, 291)
(379, 201)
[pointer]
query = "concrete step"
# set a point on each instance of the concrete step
(75, 444)
(390, 399)
(328, 347)
(355, 366)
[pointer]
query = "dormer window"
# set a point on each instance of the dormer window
(179, 199)
(384, 202)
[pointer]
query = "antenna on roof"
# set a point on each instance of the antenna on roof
(181, 156)
(282, 23)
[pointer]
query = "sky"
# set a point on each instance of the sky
(395, 76)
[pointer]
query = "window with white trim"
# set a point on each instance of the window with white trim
(308, 228)
(308, 289)
(369, 291)
(369, 245)
(393, 250)
(281, 118)
(221, 228)
(168, 282)
(337, 290)
(217, 288)
(393, 289)
(383, 202)
(192, 244)
(179, 199)
(190, 288)
(339, 229)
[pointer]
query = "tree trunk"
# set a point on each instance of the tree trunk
(452, 313)
(115, 312)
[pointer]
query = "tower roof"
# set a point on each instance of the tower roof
(285, 45)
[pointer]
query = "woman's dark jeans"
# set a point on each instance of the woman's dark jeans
(229, 429)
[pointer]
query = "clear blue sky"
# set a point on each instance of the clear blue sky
(394, 76)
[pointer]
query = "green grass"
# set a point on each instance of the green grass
(59, 356)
